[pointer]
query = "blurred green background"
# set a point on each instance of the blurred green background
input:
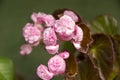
(14, 14)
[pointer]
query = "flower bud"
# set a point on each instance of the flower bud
(78, 34)
(49, 20)
(31, 33)
(57, 65)
(64, 54)
(38, 17)
(43, 73)
(25, 49)
(49, 36)
(77, 37)
(71, 14)
(42, 17)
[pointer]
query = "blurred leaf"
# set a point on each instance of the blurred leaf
(86, 69)
(102, 53)
(116, 41)
(86, 38)
(104, 24)
(117, 77)
(6, 69)
(2, 77)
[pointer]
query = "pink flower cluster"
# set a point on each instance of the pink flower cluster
(56, 66)
(45, 28)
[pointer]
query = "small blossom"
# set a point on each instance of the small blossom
(42, 17)
(34, 17)
(77, 37)
(57, 65)
(49, 36)
(38, 17)
(71, 14)
(31, 33)
(65, 27)
(43, 73)
(25, 49)
(78, 34)
(64, 54)
(49, 20)
(52, 49)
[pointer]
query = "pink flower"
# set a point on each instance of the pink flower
(77, 37)
(38, 17)
(42, 17)
(65, 27)
(49, 36)
(31, 33)
(64, 54)
(43, 73)
(57, 65)
(25, 49)
(52, 49)
(71, 14)
(78, 34)
(49, 20)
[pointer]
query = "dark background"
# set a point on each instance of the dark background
(14, 14)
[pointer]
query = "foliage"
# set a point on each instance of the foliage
(99, 60)
(6, 69)
(102, 60)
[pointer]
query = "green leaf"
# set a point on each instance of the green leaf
(86, 69)
(6, 69)
(104, 24)
(2, 77)
(102, 53)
